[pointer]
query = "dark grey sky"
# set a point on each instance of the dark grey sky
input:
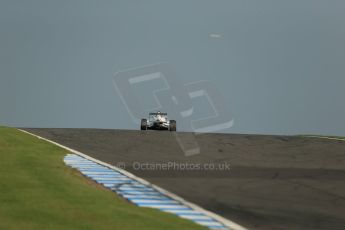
(279, 64)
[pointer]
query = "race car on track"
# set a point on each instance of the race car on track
(158, 121)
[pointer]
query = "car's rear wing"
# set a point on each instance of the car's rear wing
(163, 114)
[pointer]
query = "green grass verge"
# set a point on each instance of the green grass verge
(324, 137)
(37, 191)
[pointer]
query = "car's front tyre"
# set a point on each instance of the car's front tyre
(172, 126)
(143, 125)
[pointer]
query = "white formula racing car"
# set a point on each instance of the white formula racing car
(158, 121)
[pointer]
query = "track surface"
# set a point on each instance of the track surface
(275, 182)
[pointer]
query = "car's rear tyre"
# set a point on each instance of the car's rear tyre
(143, 125)
(172, 126)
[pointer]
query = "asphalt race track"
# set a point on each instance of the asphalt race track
(274, 182)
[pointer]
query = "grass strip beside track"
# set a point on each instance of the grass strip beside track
(325, 137)
(37, 191)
